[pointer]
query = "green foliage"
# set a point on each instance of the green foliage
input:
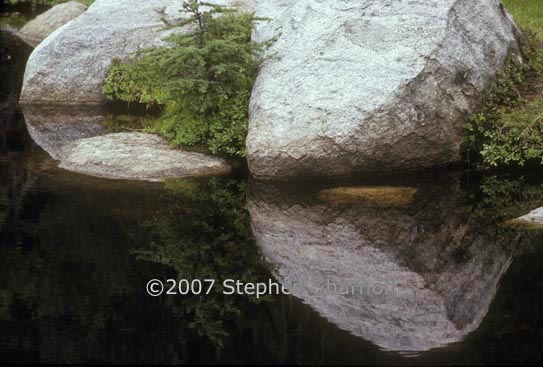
(124, 83)
(509, 128)
(203, 79)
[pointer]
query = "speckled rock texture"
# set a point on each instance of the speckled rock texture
(138, 156)
(360, 86)
(44, 24)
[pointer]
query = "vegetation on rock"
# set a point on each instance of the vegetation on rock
(203, 79)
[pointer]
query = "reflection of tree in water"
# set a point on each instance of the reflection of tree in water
(65, 287)
(13, 195)
(76, 294)
(17, 178)
(74, 291)
(21, 165)
(204, 234)
(494, 200)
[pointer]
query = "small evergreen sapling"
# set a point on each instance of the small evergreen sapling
(203, 79)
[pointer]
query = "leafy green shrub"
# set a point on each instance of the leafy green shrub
(509, 128)
(203, 79)
(124, 82)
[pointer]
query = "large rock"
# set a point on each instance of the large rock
(69, 67)
(138, 156)
(371, 85)
(44, 24)
(76, 138)
(408, 278)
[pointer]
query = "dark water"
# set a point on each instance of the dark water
(439, 279)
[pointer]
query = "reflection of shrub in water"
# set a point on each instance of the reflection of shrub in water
(4, 202)
(497, 200)
(205, 234)
(122, 123)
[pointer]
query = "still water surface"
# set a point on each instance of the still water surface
(433, 278)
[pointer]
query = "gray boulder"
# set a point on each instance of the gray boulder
(44, 24)
(69, 67)
(77, 140)
(138, 156)
(363, 86)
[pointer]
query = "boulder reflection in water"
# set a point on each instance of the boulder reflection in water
(408, 277)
